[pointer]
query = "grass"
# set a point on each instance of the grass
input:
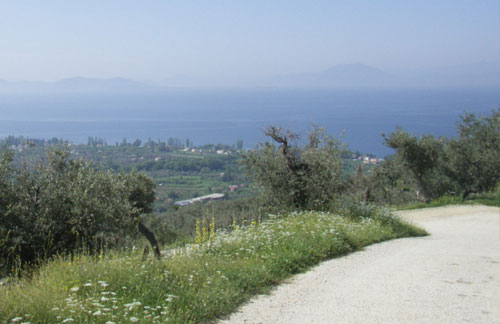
(488, 199)
(439, 202)
(198, 283)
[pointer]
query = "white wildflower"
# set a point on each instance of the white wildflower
(169, 298)
(103, 283)
(133, 305)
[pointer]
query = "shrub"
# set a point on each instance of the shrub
(192, 285)
(423, 157)
(473, 157)
(466, 164)
(62, 205)
(294, 177)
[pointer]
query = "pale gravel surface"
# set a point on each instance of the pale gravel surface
(451, 276)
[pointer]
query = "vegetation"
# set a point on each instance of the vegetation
(307, 178)
(195, 284)
(179, 172)
(179, 224)
(66, 214)
(473, 162)
(423, 158)
(437, 167)
(491, 198)
(387, 183)
(62, 205)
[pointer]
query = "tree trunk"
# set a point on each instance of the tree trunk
(151, 238)
(367, 194)
(465, 194)
(421, 197)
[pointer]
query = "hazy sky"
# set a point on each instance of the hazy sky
(231, 40)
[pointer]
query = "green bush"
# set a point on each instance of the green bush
(180, 223)
(293, 177)
(463, 165)
(63, 205)
(472, 159)
(192, 285)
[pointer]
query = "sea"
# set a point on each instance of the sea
(358, 117)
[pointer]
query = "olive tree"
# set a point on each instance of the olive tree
(473, 158)
(468, 163)
(386, 183)
(62, 205)
(423, 157)
(297, 177)
(141, 196)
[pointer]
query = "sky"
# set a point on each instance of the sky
(232, 41)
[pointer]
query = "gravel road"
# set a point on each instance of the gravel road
(451, 276)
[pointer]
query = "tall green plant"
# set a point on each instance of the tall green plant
(473, 158)
(423, 157)
(297, 177)
(469, 163)
(61, 205)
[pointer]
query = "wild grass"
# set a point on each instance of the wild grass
(439, 202)
(197, 283)
(488, 199)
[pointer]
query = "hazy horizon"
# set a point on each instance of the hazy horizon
(357, 75)
(230, 43)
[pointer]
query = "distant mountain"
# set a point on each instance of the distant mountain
(76, 84)
(482, 74)
(353, 74)
(340, 75)
(474, 74)
(93, 84)
(180, 80)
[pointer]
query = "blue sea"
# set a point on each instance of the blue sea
(211, 116)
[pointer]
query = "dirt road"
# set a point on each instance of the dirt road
(451, 276)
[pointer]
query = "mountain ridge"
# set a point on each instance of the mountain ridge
(76, 84)
(479, 74)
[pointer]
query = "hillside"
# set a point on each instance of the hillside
(450, 276)
(195, 284)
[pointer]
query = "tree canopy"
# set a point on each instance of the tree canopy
(469, 163)
(306, 177)
(61, 205)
